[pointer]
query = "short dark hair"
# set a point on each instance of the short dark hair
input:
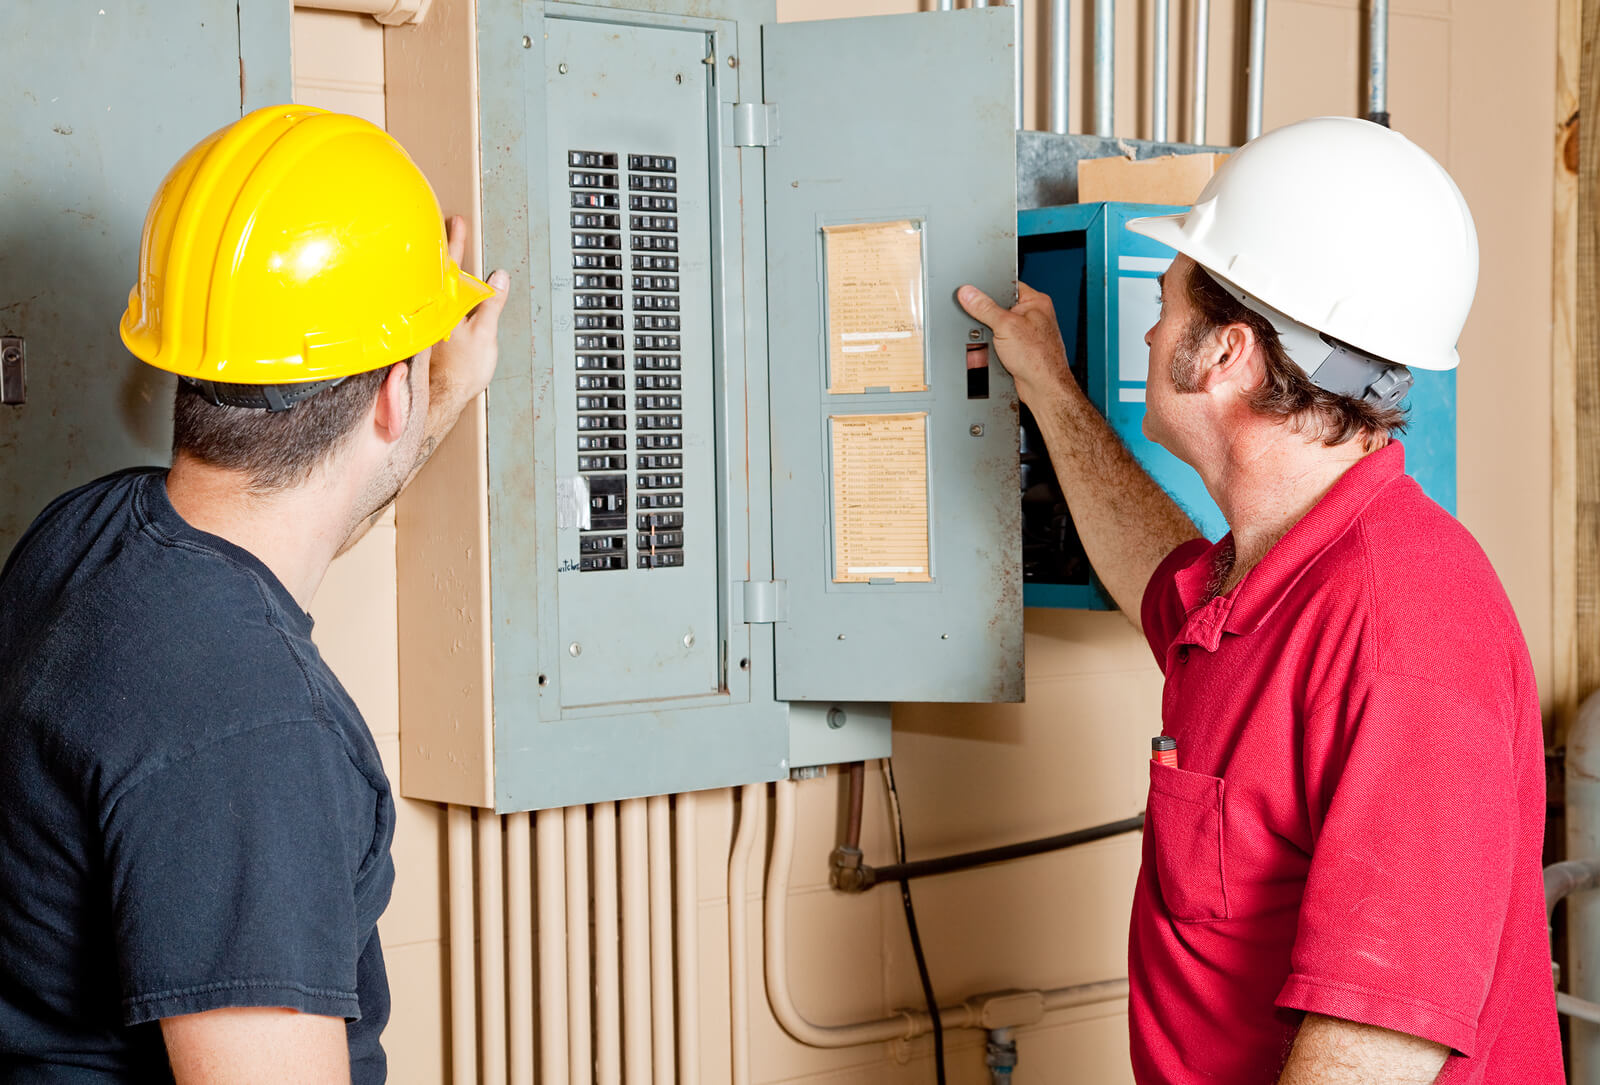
(276, 450)
(1286, 394)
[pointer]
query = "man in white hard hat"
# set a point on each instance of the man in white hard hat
(1341, 876)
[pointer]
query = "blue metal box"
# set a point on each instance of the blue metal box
(1102, 279)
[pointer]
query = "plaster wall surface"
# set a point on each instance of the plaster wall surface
(1473, 82)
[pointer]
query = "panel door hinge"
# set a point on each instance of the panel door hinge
(766, 601)
(755, 124)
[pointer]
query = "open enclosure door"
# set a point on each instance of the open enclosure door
(896, 518)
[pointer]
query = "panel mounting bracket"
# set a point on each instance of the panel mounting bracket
(766, 601)
(755, 124)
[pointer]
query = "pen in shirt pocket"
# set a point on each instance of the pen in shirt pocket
(1164, 748)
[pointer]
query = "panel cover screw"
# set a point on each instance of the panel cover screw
(562, 68)
(527, 42)
(574, 649)
(976, 430)
(733, 62)
(688, 640)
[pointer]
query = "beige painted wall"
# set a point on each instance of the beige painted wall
(1472, 81)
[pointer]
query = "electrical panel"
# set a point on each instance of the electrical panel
(729, 495)
(1101, 278)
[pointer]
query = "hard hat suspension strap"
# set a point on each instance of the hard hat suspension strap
(262, 397)
(1329, 364)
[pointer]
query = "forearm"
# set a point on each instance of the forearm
(1329, 1051)
(1126, 522)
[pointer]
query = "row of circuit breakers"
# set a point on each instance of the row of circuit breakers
(742, 495)
(628, 339)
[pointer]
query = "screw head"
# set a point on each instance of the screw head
(527, 42)
(733, 62)
(544, 680)
(944, 636)
(562, 68)
(841, 636)
(688, 640)
(975, 335)
(574, 649)
(744, 664)
(12, 356)
(836, 718)
(976, 429)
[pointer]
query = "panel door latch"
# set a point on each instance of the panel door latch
(13, 370)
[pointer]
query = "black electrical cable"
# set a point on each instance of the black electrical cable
(911, 928)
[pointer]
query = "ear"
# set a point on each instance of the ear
(1234, 363)
(392, 410)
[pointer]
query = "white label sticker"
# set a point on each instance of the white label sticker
(572, 503)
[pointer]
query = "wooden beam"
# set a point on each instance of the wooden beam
(1586, 439)
(1564, 374)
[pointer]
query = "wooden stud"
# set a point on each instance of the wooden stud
(1564, 375)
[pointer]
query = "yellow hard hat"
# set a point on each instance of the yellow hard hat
(294, 245)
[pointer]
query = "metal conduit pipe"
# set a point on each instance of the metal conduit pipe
(636, 1038)
(580, 1043)
(662, 1020)
(1202, 60)
(1105, 67)
(550, 866)
(1378, 62)
(907, 1024)
(687, 859)
(519, 944)
(947, 5)
(738, 932)
(388, 12)
(463, 954)
(1159, 65)
(1020, 67)
(1257, 68)
(492, 947)
(1576, 1007)
(1060, 68)
(607, 982)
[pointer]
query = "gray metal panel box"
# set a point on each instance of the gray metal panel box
(100, 101)
(640, 620)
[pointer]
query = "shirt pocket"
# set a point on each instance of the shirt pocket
(1184, 819)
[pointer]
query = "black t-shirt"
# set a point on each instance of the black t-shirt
(192, 812)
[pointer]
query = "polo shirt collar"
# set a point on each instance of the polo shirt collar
(1254, 598)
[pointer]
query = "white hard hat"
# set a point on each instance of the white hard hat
(1345, 227)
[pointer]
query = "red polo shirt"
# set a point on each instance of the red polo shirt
(1355, 825)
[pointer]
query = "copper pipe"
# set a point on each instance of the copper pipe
(607, 984)
(636, 1049)
(549, 827)
(519, 945)
(858, 788)
(579, 1043)
(463, 959)
(688, 938)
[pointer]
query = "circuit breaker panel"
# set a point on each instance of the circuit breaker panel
(728, 496)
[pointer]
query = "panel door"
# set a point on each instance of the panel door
(100, 100)
(895, 505)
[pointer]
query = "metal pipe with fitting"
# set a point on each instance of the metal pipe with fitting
(387, 12)
(1159, 64)
(857, 877)
(1257, 68)
(947, 5)
(1202, 59)
(1060, 69)
(1000, 1009)
(1105, 67)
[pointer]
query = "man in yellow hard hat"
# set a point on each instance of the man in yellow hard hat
(197, 826)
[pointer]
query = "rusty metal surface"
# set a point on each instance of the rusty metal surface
(90, 127)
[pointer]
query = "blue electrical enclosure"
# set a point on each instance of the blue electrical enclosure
(1102, 279)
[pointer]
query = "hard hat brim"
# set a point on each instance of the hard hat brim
(1168, 230)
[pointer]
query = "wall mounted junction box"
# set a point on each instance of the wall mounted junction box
(728, 495)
